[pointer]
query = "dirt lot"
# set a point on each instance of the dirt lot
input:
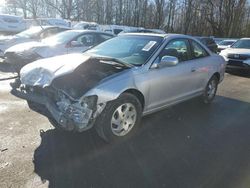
(187, 146)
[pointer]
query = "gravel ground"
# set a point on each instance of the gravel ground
(189, 145)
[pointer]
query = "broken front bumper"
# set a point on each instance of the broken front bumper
(64, 119)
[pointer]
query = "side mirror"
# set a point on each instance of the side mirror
(75, 44)
(166, 61)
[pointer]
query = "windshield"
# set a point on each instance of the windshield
(133, 50)
(60, 38)
(226, 43)
(34, 31)
(242, 44)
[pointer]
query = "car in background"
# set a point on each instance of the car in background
(87, 26)
(35, 33)
(209, 42)
(10, 24)
(47, 21)
(72, 41)
(111, 86)
(117, 29)
(218, 40)
(225, 44)
(238, 55)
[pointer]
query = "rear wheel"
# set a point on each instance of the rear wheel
(120, 118)
(211, 89)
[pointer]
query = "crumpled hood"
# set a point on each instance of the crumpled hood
(43, 72)
(25, 46)
(239, 51)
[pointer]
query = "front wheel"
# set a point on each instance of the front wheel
(120, 118)
(210, 91)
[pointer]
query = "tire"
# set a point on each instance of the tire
(210, 91)
(120, 119)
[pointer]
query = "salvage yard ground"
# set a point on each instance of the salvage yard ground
(189, 145)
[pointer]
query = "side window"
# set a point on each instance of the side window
(197, 50)
(177, 48)
(48, 33)
(103, 37)
(86, 40)
(117, 31)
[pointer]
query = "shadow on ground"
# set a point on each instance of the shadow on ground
(190, 145)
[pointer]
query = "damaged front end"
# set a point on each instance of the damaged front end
(63, 98)
(78, 115)
(70, 114)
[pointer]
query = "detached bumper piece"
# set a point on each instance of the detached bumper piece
(71, 117)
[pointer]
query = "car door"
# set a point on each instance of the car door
(82, 43)
(172, 84)
(201, 64)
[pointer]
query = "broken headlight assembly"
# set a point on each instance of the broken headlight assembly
(35, 77)
(80, 112)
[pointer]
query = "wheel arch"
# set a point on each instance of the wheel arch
(217, 75)
(138, 94)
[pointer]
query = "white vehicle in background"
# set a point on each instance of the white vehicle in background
(87, 26)
(33, 34)
(47, 21)
(116, 29)
(11, 24)
(225, 44)
(72, 41)
(238, 55)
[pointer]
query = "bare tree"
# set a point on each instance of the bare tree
(225, 18)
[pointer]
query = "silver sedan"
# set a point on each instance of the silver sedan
(117, 82)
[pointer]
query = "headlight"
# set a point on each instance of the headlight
(39, 77)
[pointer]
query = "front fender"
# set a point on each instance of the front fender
(113, 88)
(109, 92)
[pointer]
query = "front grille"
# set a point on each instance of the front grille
(238, 56)
(235, 63)
(10, 55)
(17, 58)
(239, 64)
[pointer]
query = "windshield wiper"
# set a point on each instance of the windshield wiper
(115, 60)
